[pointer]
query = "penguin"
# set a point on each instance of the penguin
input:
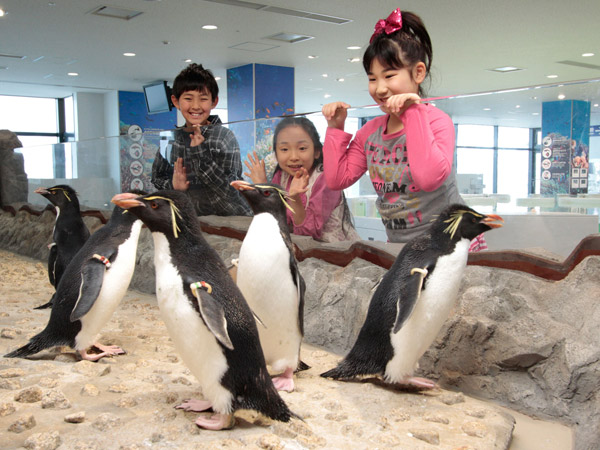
(208, 320)
(269, 278)
(413, 300)
(69, 234)
(90, 290)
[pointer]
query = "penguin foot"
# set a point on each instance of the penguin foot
(195, 405)
(285, 381)
(216, 422)
(419, 383)
(105, 350)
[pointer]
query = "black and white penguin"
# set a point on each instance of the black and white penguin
(269, 278)
(69, 234)
(90, 290)
(414, 299)
(209, 321)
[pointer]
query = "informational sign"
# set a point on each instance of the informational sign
(565, 147)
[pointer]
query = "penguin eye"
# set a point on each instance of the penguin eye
(153, 205)
(267, 193)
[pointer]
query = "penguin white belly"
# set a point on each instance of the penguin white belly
(193, 341)
(114, 286)
(430, 312)
(265, 279)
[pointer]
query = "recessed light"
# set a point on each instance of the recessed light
(517, 106)
(2, 12)
(505, 69)
(312, 56)
(561, 96)
(128, 54)
(353, 59)
(354, 47)
(324, 75)
(535, 114)
(327, 95)
(587, 55)
(551, 76)
(187, 60)
(73, 74)
(339, 79)
(487, 109)
(209, 27)
(595, 105)
(217, 78)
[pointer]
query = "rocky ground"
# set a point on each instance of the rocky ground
(127, 402)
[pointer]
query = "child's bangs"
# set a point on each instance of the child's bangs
(386, 51)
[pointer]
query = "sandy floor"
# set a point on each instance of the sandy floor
(128, 401)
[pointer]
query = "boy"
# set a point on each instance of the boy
(203, 160)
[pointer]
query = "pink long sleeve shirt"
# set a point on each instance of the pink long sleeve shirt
(411, 170)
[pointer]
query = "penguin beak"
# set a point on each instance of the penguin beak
(127, 200)
(490, 220)
(242, 185)
(42, 191)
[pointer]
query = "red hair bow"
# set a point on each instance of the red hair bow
(389, 25)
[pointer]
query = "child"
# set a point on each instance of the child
(319, 212)
(409, 152)
(205, 161)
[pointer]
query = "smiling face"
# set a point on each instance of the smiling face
(294, 149)
(195, 106)
(386, 81)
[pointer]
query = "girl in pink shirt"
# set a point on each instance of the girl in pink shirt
(319, 212)
(409, 152)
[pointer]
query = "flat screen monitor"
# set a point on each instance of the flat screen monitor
(158, 97)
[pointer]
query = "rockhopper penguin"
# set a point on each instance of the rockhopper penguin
(269, 278)
(414, 299)
(90, 290)
(69, 234)
(209, 321)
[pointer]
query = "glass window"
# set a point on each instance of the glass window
(475, 136)
(513, 174)
(38, 157)
(29, 114)
(509, 137)
(472, 163)
(69, 115)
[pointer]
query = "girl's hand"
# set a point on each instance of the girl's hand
(335, 113)
(299, 184)
(180, 182)
(196, 137)
(256, 167)
(399, 103)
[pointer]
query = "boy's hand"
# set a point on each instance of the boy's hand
(256, 166)
(196, 137)
(180, 182)
(299, 184)
(399, 103)
(335, 113)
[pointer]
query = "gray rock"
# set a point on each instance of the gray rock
(22, 423)
(43, 441)
(29, 395)
(55, 399)
(13, 179)
(77, 417)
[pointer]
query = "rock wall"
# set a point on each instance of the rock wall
(517, 339)
(13, 179)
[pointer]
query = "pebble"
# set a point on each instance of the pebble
(451, 398)
(429, 436)
(90, 390)
(77, 417)
(48, 382)
(12, 373)
(22, 423)
(437, 418)
(55, 399)
(476, 429)
(29, 395)
(126, 402)
(118, 388)
(43, 441)
(90, 369)
(6, 409)
(10, 384)
(106, 421)
(270, 442)
(8, 333)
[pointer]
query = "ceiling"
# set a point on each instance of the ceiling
(469, 37)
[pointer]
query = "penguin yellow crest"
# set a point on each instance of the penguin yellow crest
(63, 190)
(455, 219)
(174, 212)
(282, 194)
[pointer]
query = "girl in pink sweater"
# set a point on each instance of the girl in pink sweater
(409, 152)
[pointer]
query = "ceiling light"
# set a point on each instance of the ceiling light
(217, 78)
(535, 114)
(209, 27)
(505, 69)
(116, 13)
(354, 47)
(312, 56)
(517, 106)
(561, 96)
(487, 109)
(587, 55)
(291, 38)
(595, 105)
(187, 60)
(339, 79)
(324, 75)
(327, 95)
(551, 76)
(73, 74)
(2, 12)
(128, 54)
(353, 59)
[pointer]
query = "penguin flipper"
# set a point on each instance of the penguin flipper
(92, 277)
(213, 314)
(300, 289)
(52, 263)
(410, 294)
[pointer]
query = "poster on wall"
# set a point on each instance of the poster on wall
(565, 147)
(139, 140)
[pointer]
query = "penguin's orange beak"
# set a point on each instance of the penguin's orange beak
(242, 185)
(42, 190)
(491, 219)
(127, 200)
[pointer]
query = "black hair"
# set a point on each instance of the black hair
(310, 129)
(195, 78)
(402, 48)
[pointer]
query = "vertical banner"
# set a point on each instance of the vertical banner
(139, 139)
(565, 147)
